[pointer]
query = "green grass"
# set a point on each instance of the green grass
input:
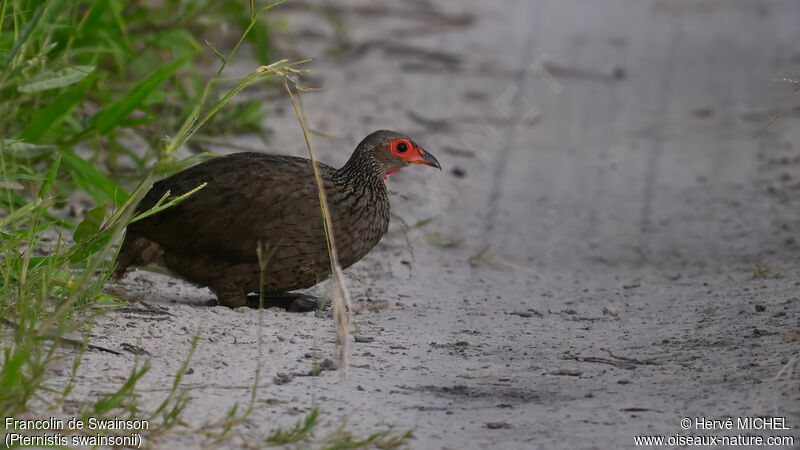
(80, 81)
(76, 80)
(302, 430)
(86, 85)
(341, 438)
(759, 271)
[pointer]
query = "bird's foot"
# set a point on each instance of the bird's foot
(290, 301)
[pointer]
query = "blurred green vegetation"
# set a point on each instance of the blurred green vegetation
(83, 84)
(86, 85)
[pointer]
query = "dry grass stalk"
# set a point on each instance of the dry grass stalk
(340, 297)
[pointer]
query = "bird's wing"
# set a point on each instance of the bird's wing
(250, 197)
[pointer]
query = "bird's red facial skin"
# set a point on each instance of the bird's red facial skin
(403, 149)
(408, 152)
(390, 172)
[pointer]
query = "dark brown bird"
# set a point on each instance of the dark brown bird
(210, 238)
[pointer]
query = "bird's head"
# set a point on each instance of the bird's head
(389, 151)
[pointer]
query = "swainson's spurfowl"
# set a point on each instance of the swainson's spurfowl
(210, 238)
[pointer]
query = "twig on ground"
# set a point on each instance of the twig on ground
(621, 362)
(74, 342)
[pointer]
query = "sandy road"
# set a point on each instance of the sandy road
(586, 275)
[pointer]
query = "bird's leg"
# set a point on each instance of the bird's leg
(290, 301)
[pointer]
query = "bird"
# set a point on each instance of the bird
(254, 199)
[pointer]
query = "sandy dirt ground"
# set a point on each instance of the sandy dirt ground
(583, 270)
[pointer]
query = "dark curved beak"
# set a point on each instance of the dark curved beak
(424, 157)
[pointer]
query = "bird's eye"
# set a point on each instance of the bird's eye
(402, 147)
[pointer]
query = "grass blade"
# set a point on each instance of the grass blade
(53, 114)
(50, 178)
(18, 214)
(216, 52)
(99, 186)
(26, 33)
(55, 79)
(253, 20)
(160, 205)
(107, 119)
(339, 292)
(90, 225)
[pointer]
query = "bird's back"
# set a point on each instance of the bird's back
(254, 199)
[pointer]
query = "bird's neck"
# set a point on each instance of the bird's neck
(362, 170)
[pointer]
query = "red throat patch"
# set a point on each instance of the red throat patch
(390, 172)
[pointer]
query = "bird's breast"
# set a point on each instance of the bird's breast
(360, 218)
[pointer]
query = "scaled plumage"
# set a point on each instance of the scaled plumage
(210, 238)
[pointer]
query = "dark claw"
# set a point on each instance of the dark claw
(290, 301)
